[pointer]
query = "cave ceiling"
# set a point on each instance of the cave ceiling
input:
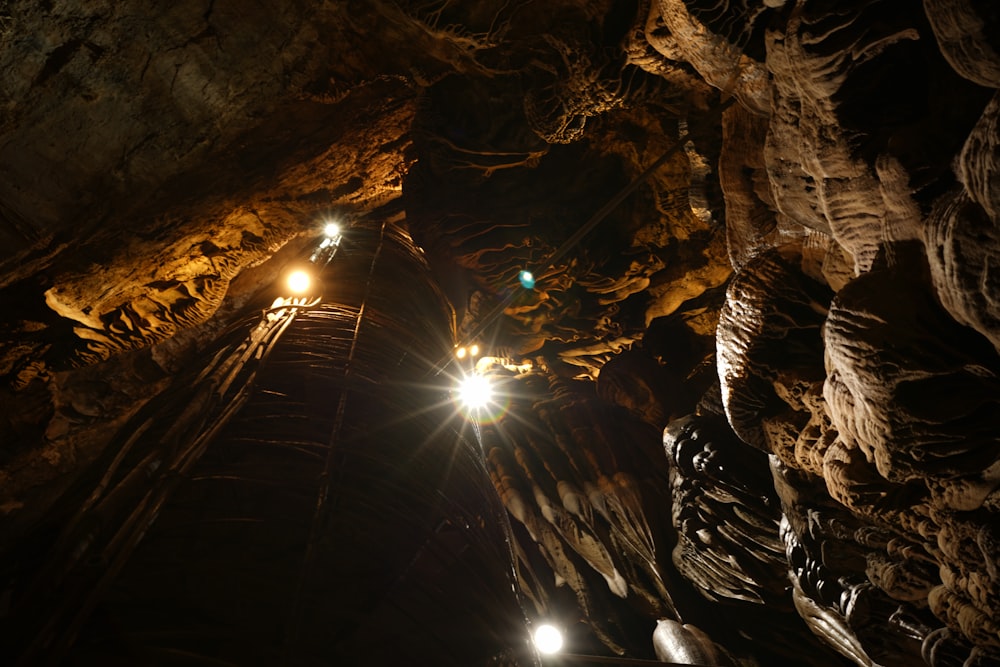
(767, 230)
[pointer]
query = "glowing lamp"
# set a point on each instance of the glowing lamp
(331, 230)
(298, 281)
(527, 279)
(548, 639)
(475, 392)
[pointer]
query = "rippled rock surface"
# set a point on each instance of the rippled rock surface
(754, 372)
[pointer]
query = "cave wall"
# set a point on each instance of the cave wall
(306, 496)
(800, 297)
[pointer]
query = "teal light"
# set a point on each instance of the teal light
(527, 279)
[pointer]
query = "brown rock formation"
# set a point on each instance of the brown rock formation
(764, 229)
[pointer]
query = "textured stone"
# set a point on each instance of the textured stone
(161, 168)
(913, 409)
(769, 331)
(962, 239)
(728, 544)
(966, 33)
(717, 58)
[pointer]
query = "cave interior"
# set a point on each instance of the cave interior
(667, 232)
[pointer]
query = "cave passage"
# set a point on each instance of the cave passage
(308, 496)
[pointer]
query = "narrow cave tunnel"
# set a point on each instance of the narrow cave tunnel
(728, 267)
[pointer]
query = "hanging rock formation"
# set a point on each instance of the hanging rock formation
(751, 394)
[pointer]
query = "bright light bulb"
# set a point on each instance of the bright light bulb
(527, 279)
(298, 281)
(475, 391)
(548, 639)
(460, 353)
(474, 350)
(331, 229)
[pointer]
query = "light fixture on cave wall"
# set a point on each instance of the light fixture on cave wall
(471, 358)
(527, 279)
(327, 248)
(467, 353)
(475, 392)
(477, 397)
(482, 393)
(480, 386)
(298, 282)
(548, 639)
(301, 280)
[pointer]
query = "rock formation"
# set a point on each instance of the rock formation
(747, 409)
